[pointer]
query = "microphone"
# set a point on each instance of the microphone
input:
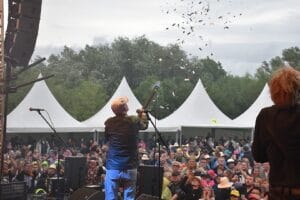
(36, 109)
(156, 85)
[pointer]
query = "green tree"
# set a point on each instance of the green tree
(171, 94)
(234, 94)
(82, 101)
(15, 98)
(292, 56)
(85, 79)
(206, 69)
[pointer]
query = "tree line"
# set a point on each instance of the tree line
(85, 80)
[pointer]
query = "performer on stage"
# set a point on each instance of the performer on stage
(121, 133)
(277, 135)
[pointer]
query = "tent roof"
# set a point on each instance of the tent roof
(198, 110)
(248, 117)
(21, 120)
(96, 122)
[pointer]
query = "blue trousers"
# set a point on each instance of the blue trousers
(113, 178)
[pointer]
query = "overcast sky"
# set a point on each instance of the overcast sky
(258, 30)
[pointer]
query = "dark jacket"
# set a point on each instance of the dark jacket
(176, 188)
(248, 155)
(121, 132)
(277, 141)
(193, 194)
(222, 194)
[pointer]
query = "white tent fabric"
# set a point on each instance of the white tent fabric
(96, 122)
(198, 110)
(21, 120)
(247, 118)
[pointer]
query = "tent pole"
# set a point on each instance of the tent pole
(177, 137)
(213, 133)
(252, 134)
(180, 137)
(95, 136)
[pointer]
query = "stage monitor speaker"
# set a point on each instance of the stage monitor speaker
(149, 180)
(75, 172)
(13, 191)
(87, 194)
(22, 30)
(147, 197)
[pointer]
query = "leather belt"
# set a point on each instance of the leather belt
(286, 190)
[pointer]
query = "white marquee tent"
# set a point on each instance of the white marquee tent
(96, 122)
(21, 120)
(247, 119)
(198, 110)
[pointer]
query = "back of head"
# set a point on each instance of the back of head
(119, 105)
(285, 86)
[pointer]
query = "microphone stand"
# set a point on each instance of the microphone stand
(160, 140)
(58, 153)
(158, 136)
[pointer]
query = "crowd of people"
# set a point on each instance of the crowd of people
(208, 169)
(201, 168)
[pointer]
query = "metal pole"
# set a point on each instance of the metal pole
(3, 96)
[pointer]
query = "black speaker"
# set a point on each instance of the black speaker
(147, 197)
(56, 187)
(30, 8)
(22, 30)
(13, 191)
(87, 194)
(75, 172)
(150, 180)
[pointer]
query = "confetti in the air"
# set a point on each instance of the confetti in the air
(193, 18)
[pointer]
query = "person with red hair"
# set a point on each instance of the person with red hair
(277, 135)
